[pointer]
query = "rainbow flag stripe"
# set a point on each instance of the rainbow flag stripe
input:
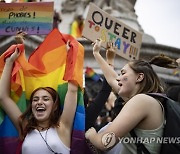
(92, 74)
(31, 17)
(49, 65)
(75, 30)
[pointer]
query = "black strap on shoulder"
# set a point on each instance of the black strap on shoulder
(161, 96)
(141, 149)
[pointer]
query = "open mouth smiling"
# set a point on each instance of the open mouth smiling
(40, 109)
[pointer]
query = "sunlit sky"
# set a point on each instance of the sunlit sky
(160, 19)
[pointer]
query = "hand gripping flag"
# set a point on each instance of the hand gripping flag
(49, 65)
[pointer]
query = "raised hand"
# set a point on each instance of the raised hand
(68, 45)
(90, 132)
(110, 53)
(20, 37)
(13, 56)
(97, 45)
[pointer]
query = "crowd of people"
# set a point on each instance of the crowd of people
(126, 91)
(120, 98)
(121, 105)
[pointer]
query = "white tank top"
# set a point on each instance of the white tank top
(34, 143)
(147, 135)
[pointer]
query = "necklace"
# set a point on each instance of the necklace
(42, 128)
(45, 140)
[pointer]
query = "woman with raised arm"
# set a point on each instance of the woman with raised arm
(43, 127)
(94, 109)
(141, 112)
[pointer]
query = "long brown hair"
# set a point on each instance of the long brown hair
(151, 82)
(28, 122)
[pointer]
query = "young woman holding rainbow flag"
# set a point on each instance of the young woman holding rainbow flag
(43, 127)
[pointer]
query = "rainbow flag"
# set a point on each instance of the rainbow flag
(49, 65)
(176, 72)
(76, 29)
(92, 74)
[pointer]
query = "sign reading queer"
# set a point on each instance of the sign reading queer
(100, 24)
(32, 18)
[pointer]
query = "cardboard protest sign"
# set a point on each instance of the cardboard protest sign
(100, 24)
(32, 18)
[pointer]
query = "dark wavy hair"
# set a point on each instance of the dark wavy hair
(28, 122)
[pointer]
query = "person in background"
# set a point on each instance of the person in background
(77, 26)
(117, 105)
(56, 19)
(105, 116)
(95, 107)
(97, 104)
(110, 102)
(169, 63)
(141, 112)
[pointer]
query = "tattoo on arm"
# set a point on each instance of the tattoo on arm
(109, 140)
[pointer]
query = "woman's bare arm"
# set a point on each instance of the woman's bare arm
(109, 73)
(6, 102)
